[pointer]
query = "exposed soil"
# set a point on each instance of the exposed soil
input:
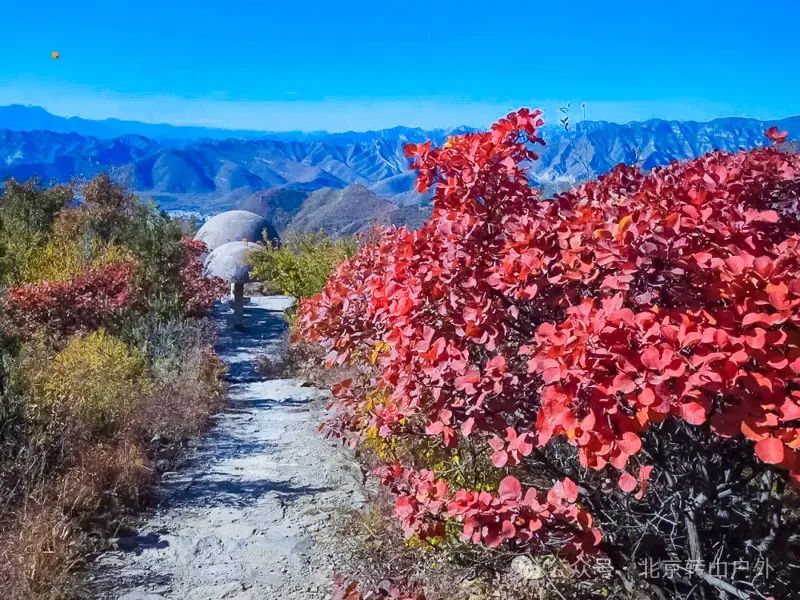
(250, 514)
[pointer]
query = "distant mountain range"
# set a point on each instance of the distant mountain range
(35, 118)
(341, 182)
(19, 117)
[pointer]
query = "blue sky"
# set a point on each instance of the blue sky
(352, 64)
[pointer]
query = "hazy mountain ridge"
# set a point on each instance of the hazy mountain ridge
(20, 117)
(32, 118)
(343, 181)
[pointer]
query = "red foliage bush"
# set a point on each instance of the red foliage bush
(85, 302)
(587, 320)
(490, 519)
(347, 589)
(198, 292)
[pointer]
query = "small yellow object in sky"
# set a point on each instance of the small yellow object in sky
(55, 54)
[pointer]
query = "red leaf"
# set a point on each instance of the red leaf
(763, 318)
(630, 443)
(466, 382)
(702, 258)
(647, 397)
(627, 482)
(434, 428)
(500, 458)
(693, 413)
(777, 295)
(467, 426)
(508, 530)
(509, 488)
(764, 266)
(770, 450)
(570, 489)
(551, 374)
(623, 383)
(757, 339)
(735, 264)
(651, 357)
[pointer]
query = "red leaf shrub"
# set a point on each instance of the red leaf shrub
(198, 292)
(520, 324)
(776, 136)
(85, 302)
(422, 502)
(348, 589)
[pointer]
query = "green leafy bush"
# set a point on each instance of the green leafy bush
(95, 380)
(301, 264)
(70, 249)
(27, 213)
(156, 242)
(118, 219)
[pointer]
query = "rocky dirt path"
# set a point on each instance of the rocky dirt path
(250, 515)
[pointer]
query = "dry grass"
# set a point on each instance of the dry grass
(40, 549)
(270, 367)
(179, 405)
(373, 550)
(302, 360)
(45, 539)
(64, 491)
(305, 360)
(107, 479)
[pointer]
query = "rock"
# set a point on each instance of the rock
(524, 568)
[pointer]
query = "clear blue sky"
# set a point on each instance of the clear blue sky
(295, 64)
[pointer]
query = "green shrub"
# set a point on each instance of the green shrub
(301, 264)
(107, 207)
(119, 221)
(154, 240)
(70, 249)
(94, 380)
(165, 343)
(32, 206)
(27, 212)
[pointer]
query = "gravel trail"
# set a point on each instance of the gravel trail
(249, 516)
